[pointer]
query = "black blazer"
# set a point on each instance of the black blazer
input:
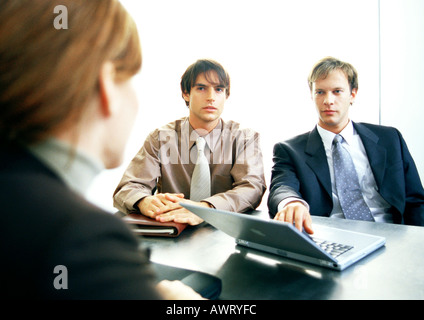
(301, 170)
(44, 225)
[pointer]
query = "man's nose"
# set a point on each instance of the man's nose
(329, 99)
(211, 94)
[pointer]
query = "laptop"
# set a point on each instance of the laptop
(328, 247)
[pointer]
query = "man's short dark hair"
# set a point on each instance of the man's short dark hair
(204, 66)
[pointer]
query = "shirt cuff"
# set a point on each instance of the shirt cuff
(286, 201)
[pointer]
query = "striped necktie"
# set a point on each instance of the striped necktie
(200, 187)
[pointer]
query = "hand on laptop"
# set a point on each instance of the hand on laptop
(295, 212)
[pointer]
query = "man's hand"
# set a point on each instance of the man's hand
(165, 207)
(152, 206)
(295, 212)
(180, 214)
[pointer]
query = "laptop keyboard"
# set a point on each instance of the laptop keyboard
(332, 248)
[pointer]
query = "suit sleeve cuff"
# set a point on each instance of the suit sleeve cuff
(286, 201)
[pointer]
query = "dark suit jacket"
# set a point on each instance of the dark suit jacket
(44, 224)
(301, 170)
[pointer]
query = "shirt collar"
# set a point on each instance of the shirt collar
(74, 167)
(211, 138)
(327, 136)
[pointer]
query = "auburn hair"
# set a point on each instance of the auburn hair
(48, 75)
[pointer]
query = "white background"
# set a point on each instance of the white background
(269, 47)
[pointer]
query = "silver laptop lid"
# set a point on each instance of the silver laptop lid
(274, 234)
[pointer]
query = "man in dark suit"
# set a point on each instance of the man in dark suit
(303, 179)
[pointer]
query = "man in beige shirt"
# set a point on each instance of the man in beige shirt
(159, 176)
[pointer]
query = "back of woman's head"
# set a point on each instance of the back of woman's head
(48, 75)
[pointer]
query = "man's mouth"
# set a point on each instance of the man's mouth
(210, 108)
(329, 112)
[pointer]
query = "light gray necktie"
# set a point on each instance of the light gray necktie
(200, 187)
(347, 184)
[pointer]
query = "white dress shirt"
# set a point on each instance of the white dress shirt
(380, 209)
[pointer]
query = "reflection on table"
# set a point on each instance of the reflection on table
(393, 272)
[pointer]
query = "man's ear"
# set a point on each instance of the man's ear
(186, 96)
(106, 85)
(353, 95)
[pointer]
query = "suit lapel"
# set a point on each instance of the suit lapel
(376, 153)
(316, 157)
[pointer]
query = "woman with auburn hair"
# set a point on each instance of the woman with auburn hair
(66, 108)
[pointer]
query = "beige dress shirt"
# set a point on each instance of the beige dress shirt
(166, 162)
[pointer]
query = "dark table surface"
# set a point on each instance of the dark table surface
(395, 271)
